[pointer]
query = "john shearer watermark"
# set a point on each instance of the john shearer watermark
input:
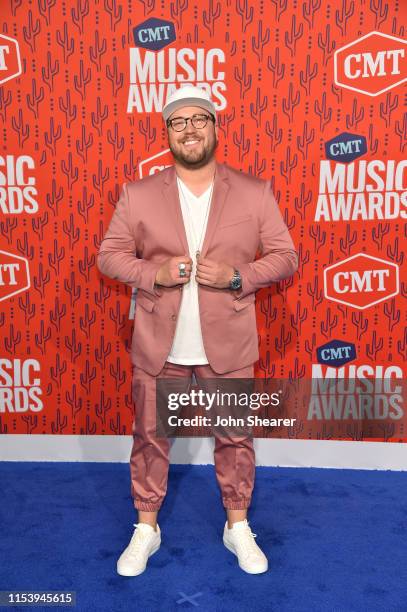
(346, 408)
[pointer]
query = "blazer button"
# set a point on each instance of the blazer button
(174, 317)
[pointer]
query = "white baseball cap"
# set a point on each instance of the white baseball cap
(189, 95)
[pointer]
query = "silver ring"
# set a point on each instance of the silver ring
(182, 270)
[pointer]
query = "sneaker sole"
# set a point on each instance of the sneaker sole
(132, 574)
(230, 547)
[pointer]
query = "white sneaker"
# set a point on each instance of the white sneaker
(240, 541)
(144, 542)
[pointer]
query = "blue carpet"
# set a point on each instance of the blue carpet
(335, 539)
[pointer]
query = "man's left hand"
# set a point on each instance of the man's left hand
(213, 273)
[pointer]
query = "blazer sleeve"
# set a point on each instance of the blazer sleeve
(279, 258)
(117, 253)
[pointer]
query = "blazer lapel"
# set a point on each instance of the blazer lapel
(170, 190)
(220, 190)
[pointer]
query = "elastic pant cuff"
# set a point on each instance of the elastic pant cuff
(147, 506)
(237, 504)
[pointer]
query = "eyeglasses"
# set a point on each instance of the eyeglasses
(178, 124)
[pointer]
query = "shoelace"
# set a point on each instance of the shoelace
(245, 540)
(136, 541)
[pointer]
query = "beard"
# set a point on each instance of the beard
(193, 160)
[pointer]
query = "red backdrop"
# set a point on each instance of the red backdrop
(309, 93)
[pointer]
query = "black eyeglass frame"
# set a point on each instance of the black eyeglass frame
(191, 119)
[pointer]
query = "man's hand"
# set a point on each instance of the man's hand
(168, 274)
(213, 273)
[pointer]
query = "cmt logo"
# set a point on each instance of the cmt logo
(361, 281)
(336, 353)
(10, 61)
(14, 275)
(154, 34)
(156, 163)
(345, 148)
(372, 64)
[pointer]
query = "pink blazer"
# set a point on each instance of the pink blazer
(147, 228)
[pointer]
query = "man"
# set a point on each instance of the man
(187, 238)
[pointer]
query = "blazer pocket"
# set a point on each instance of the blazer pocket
(145, 303)
(236, 220)
(244, 302)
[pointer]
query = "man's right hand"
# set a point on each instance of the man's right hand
(168, 274)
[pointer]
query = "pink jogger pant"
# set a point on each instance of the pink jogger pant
(234, 458)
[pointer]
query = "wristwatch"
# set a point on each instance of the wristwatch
(236, 281)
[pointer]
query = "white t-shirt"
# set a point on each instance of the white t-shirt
(187, 347)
